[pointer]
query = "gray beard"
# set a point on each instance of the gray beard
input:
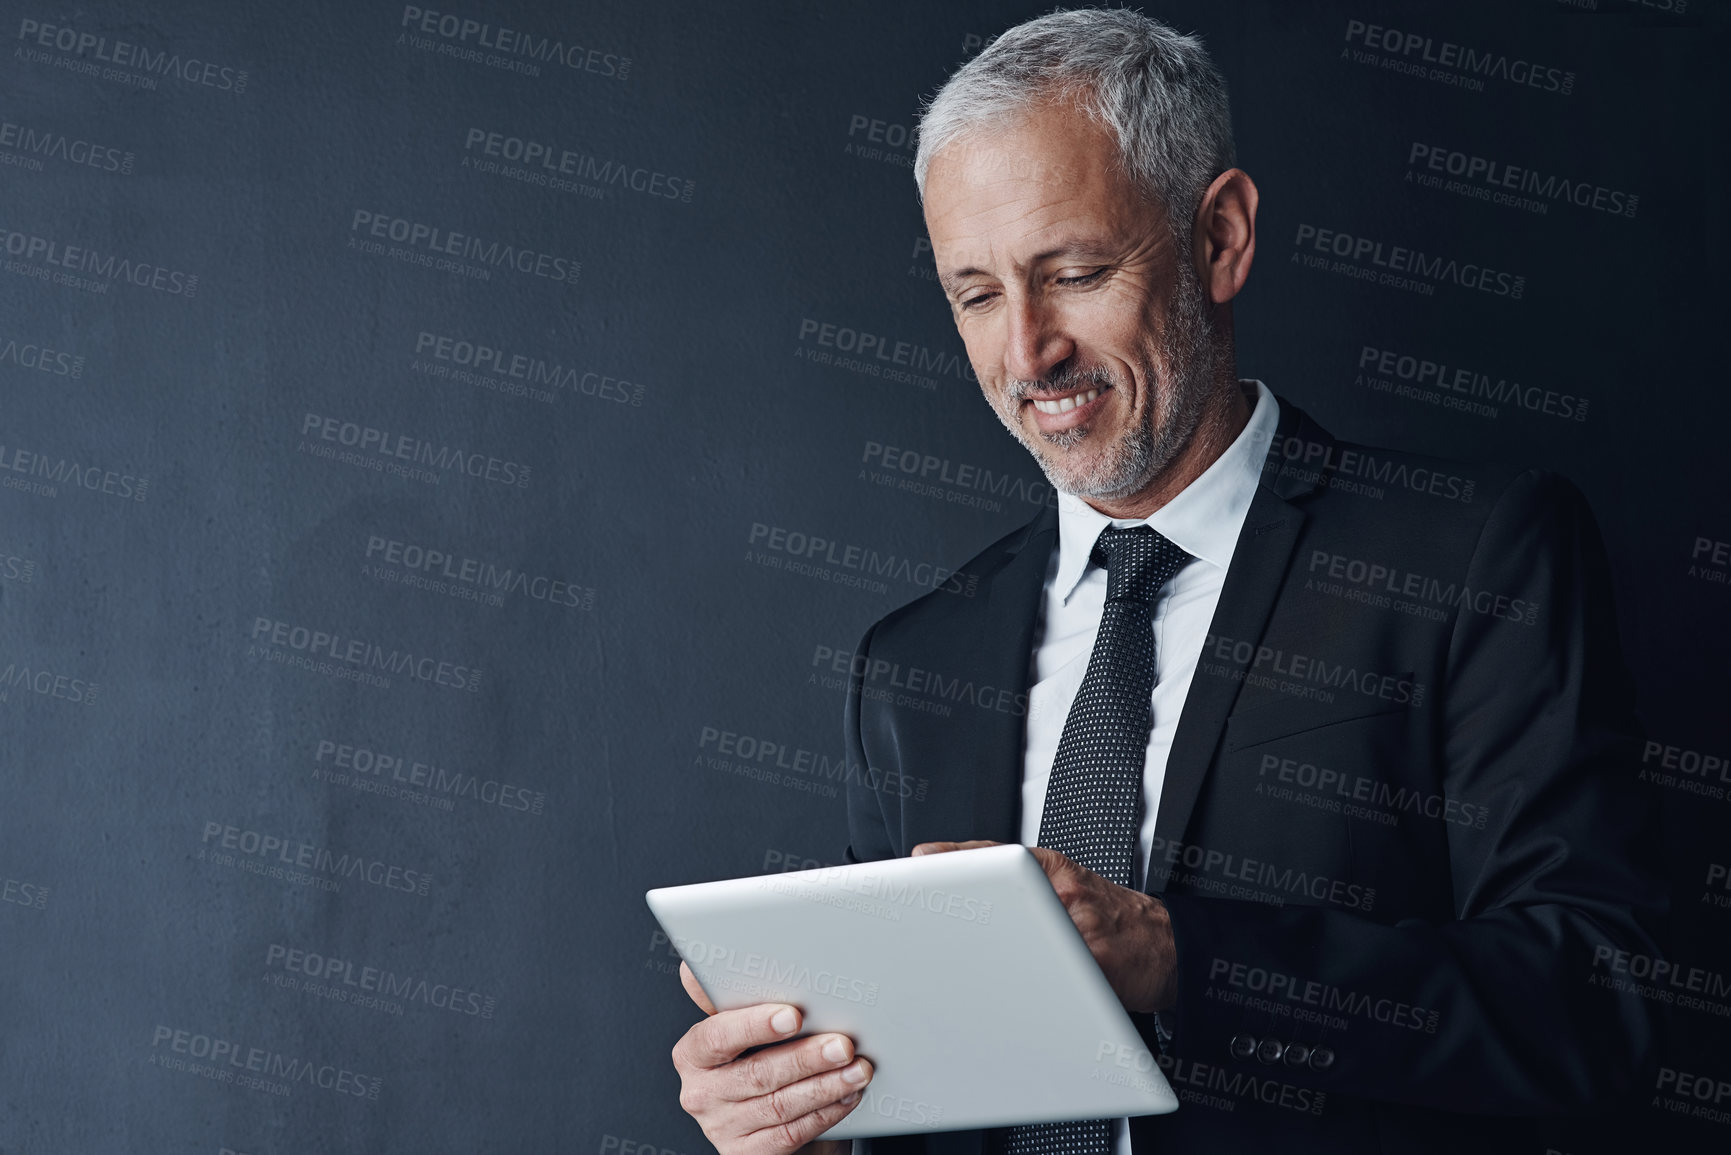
(1179, 399)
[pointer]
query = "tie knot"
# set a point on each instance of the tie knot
(1138, 561)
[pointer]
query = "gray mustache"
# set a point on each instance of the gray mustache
(1064, 381)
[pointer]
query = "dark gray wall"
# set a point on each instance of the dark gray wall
(567, 574)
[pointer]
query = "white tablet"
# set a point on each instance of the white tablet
(959, 975)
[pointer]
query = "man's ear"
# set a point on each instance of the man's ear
(1224, 235)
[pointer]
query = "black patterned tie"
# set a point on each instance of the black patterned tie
(1093, 809)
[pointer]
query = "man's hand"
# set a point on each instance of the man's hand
(773, 1101)
(1127, 931)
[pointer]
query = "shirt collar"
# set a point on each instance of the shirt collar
(1203, 520)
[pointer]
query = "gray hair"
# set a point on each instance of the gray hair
(1156, 90)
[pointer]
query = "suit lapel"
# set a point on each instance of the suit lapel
(1253, 584)
(1004, 638)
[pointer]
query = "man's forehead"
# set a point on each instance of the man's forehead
(984, 156)
(976, 226)
(1045, 144)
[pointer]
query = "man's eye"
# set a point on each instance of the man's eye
(1084, 279)
(970, 302)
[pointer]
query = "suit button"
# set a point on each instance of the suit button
(1242, 1046)
(1270, 1050)
(1321, 1059)
(1297, 1055)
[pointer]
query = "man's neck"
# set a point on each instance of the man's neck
(1220, 426)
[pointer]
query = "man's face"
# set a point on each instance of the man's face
(1089, 334)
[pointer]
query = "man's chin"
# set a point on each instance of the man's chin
(1082, 478)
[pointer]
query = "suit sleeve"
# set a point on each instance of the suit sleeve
(867, 820)
(1539, 722)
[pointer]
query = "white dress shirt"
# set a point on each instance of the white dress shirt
(1203, 520)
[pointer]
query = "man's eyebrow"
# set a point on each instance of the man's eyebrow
(1077, 250)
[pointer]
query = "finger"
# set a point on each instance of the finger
(722, 1036)
(1051, 861)
(941, 847)
(695, 989)
(773, 1068)
(794, 1116)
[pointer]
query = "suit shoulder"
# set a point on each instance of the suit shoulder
(1429, 503)
(972, 579)
(1435, 491)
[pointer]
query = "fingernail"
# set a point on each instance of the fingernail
(854, 1074)
(835, 1051)
(784, 1021)
(850, 1100)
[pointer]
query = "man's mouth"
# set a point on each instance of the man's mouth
(1058, 405)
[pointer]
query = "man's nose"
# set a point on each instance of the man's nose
(1034, 342)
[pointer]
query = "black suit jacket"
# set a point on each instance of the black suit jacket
(1400, 828)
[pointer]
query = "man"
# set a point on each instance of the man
(1328, 749)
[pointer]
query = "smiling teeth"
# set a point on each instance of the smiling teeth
(1066, 404)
